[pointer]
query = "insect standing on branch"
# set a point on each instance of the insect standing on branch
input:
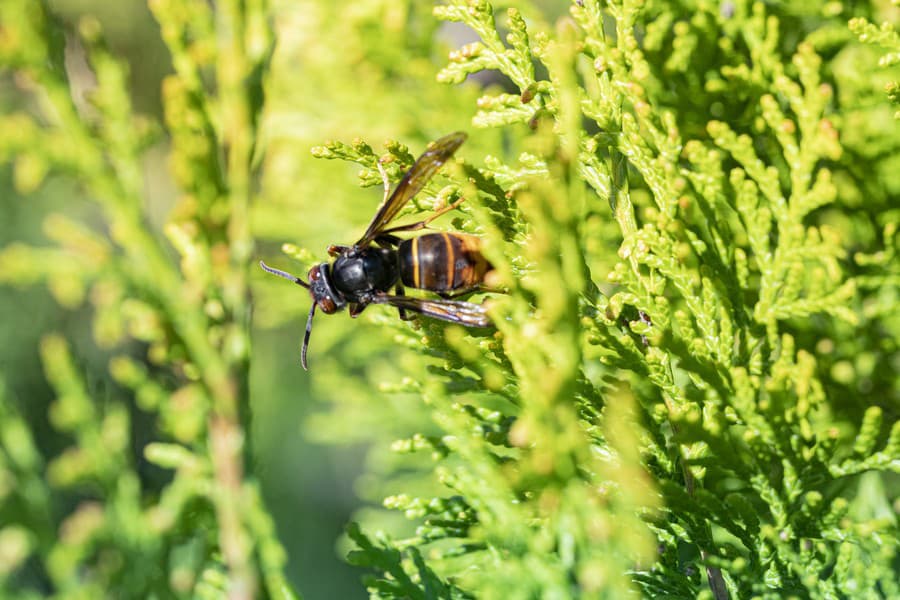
(449, 264)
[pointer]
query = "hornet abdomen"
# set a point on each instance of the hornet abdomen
(442, 262)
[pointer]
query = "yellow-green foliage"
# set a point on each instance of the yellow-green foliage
(691, 389)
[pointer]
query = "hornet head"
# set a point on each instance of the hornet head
(323, 295)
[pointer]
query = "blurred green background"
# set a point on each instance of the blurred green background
(308, 486)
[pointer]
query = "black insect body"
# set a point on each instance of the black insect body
(446, 263)
(356, 275)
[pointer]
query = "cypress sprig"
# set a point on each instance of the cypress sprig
(189, 314)
(887, 37)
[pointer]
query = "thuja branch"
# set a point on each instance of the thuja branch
(241, 37)
(243, 50)
(193, 314)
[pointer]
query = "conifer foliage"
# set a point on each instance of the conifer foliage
(691, 388)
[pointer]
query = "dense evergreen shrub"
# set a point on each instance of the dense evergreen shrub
(692, 386)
